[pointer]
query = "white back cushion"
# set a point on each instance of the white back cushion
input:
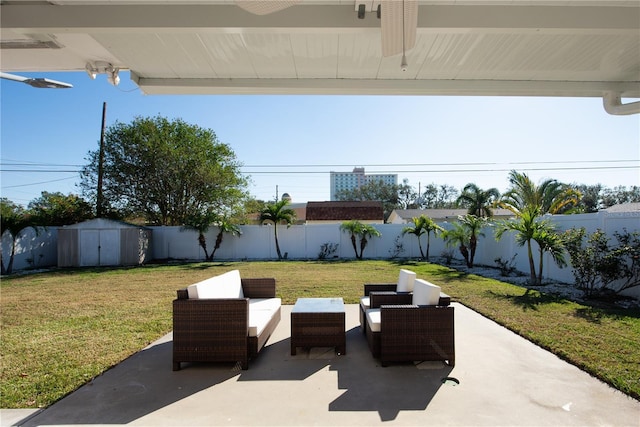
(226, 285)
(405, 281)
(425, 293)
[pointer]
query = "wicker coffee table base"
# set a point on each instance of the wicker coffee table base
(318, 329)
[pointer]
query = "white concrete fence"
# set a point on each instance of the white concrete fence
(305, 241)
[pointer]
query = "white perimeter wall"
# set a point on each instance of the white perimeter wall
(304, 242)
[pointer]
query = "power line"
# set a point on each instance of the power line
(38, 183)
(453, 170)
(396, 165)
(441, 164)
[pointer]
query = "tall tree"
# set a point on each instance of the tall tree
(278, 213)
(164, 170)
(358, 230)
(407, 196)
(478, 201)
(591, 200)
(619, 195)
(58, 209)
(423, 225)
(374, 191)
(438, 197)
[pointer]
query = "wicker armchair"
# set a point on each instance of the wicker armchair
(385, 293)
(217, 329)
(407, 332)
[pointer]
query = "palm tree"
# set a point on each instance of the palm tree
(357, 229)
(423, 224)
(529, 201)
(525, 229)
(224, 226)
(474, 226)
(548, 197)
(479, 202)
(458, 235)
(278, 213)
(200, 222)
(550, 241)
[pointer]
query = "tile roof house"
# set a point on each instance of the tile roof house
(340, 211)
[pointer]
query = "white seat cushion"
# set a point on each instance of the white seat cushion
(271, 304)
(261, 310)
(226, 285)
(425, 293)
(373, 319)
(405, 281)
(258, 320)
(365, 303)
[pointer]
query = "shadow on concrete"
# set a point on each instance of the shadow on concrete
(145, 383)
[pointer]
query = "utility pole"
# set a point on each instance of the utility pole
(99, 197)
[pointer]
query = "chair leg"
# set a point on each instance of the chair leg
(176, 366)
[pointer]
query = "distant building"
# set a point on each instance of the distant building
(338, 212)
(341, 181)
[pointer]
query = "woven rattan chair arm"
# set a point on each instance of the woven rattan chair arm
(378, 287)
(376, 299)
(259, 287)
(215, 317)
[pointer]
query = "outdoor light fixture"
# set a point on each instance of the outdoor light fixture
(403, 63)
(101, 67)
(39, 82)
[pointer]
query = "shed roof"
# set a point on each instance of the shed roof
(103, 223)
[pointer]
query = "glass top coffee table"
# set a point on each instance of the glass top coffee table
(318, 322)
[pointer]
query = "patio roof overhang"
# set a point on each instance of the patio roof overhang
(573, 48)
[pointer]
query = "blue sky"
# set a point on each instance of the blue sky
(292, 142)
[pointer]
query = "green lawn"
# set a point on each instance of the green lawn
(62, 328)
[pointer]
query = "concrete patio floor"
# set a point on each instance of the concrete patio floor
(504, 380)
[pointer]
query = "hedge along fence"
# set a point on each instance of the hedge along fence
(305, 242)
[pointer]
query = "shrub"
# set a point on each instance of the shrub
(598, 266)
(397, 249)
(506, 267)
(328, 250)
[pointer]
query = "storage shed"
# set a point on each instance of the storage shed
(101, 242)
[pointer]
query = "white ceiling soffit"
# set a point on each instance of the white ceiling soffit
(511, 47)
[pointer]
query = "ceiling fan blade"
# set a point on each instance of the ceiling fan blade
(265, 7)
(392, 26)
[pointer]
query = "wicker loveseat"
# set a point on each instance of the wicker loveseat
(224, 319)
(416, 330)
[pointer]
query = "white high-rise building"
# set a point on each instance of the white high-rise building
(351, 180)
